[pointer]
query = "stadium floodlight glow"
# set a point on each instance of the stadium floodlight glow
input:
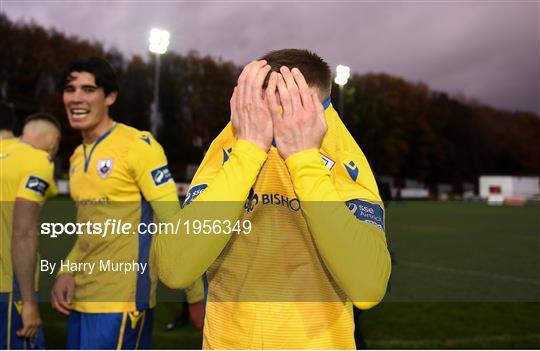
(342, 75)
(159, 41)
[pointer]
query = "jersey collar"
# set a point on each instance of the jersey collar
(99, 140)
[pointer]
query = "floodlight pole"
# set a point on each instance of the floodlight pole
(342, 74)
(155, 118)
(341, 100)
(159, 41)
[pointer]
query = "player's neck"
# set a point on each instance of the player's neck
(92, 134)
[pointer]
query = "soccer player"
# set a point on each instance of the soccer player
(26, 174)
(318, 237)
(114, 175)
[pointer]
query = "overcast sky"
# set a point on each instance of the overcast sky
(486, 50)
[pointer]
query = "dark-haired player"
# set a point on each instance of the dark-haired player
(115, 174)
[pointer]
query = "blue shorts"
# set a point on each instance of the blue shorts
(127, 330)
(10, 322)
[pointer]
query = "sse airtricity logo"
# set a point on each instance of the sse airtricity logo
(368, 212)
(37, 184)
(193, 192)
(161, 175)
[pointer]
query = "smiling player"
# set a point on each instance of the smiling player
(114, 174)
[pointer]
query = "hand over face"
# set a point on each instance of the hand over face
(299, 123)
(250, 114)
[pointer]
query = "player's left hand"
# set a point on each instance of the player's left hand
(196, 315)
(299, 123)
(31, 320)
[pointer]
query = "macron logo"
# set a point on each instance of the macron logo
(146, 139)
(226, 154)
(352, 169)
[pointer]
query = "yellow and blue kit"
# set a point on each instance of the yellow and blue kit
(317, 243)
(116, 178)
(25, 173)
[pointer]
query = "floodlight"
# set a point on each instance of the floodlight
(159, 41)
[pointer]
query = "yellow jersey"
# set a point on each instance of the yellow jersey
(116, 178)
(26, 173)
(271, 289)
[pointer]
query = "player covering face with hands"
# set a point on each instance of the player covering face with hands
(317, 244)
(288, 112)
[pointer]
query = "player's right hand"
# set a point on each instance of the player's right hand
(62, 293)
(298, 117)
(250, 114)
(31, 320)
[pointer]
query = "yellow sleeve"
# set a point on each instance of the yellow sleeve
(184, 257)
(195, 292)
(217, 155)
(37, 181)
(148, 165)
(353, 250)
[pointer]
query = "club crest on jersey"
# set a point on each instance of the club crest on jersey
(37, 184)
(161, 175)
(352, 169)
(226, 154)
(104, 167)
(328, 163)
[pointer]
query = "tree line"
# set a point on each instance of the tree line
(405, 129)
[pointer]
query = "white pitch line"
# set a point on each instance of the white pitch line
(469, 272)
(451, 342)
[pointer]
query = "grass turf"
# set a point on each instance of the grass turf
(466, 277)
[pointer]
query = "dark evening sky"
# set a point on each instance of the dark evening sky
(489, 50)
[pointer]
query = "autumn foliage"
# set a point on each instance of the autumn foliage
(405, 129)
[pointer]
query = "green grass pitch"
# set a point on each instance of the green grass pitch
(467, 275)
